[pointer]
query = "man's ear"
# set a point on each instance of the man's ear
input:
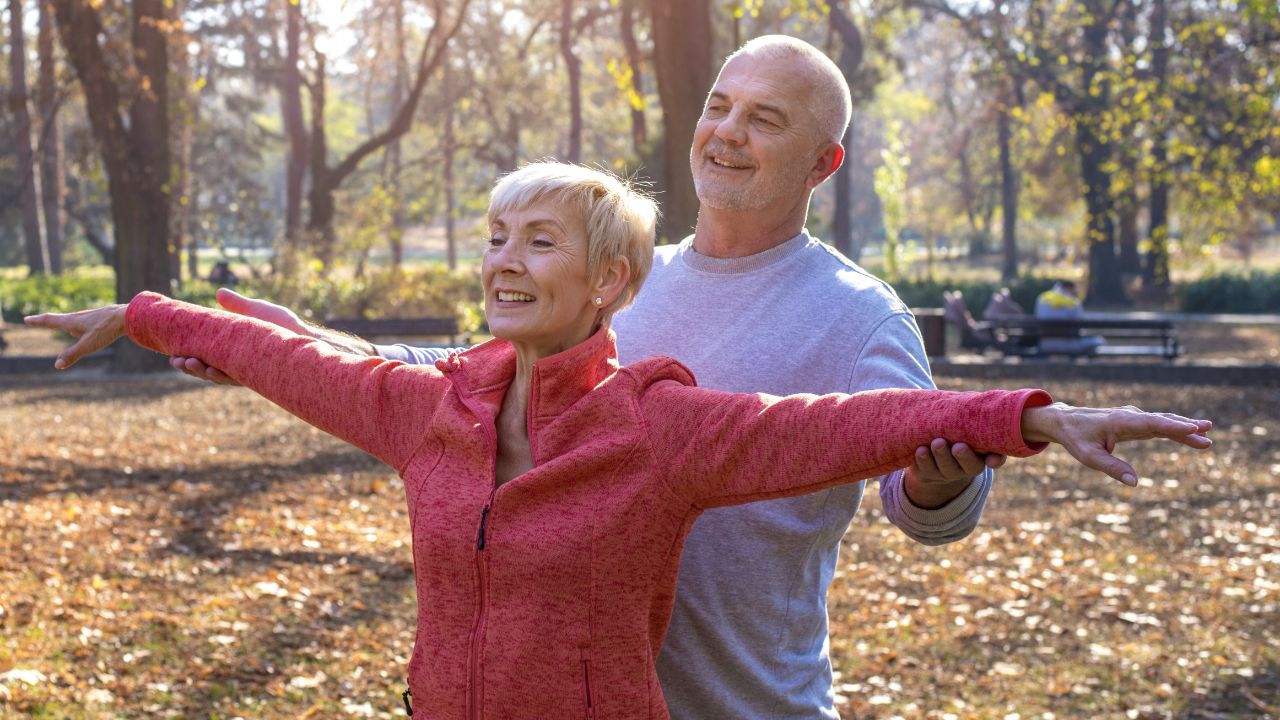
(613, 279)
(829, 160)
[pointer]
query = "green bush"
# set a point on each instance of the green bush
(77, 290)
(1253, 292)
(426, 291)
(430, 291)
(928, 293)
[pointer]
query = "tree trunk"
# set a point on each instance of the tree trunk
(37, 253)
(395, 159)
(450, 180)
(1105, 287)
(291, 113)
(639, 126)
(682, 41)
(53, 186)
(136, 158)
(573, 67)
(182, 124)
(851, 50)
(321, 236)
(1104, 271)
(1155, 271)
(1009, 185)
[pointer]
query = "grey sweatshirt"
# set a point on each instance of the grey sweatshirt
(748, 638)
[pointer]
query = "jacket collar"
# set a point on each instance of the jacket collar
(486, 371)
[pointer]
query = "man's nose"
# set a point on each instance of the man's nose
(733, 128)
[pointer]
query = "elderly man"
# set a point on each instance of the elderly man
(750, 302)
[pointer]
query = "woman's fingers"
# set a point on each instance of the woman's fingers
(1103, 461)
(95, 329)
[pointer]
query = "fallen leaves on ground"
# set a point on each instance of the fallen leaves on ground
(172, 549)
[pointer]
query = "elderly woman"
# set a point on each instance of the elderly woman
(549, 489)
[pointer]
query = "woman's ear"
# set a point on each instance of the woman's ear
(613, 280)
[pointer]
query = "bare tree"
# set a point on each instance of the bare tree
(37, 252)
(49, 149)
(326, 178)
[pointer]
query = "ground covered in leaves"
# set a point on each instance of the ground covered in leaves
(172, 549)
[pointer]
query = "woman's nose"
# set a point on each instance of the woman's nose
(509, 257)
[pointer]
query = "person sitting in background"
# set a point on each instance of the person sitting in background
(1002, 305)
(1062, 302)
(221, 274)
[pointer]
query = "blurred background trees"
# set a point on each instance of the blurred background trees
(330, 149)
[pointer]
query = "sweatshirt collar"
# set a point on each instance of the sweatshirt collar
(558, 381)
(775, 254)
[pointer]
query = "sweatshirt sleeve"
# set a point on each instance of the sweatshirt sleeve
(381, 406)
(728, 448)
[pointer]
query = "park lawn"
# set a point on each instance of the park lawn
(172, 549)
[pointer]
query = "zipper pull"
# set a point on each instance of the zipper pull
(484, 517)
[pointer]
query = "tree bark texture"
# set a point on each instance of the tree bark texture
(1105, 287)
(850, 59)
(682, 64)
(573, 68)
(37, 253)
(639, 126)
(1155, 270)
(296, 131)
(53, 185)
(1009, 185)
(136, 157)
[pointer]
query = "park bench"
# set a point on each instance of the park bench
(398, 327)
(1122, 336)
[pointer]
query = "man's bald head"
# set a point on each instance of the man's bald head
(832, 105)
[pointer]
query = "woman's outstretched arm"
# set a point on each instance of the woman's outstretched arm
(380, 406)
(729, 448)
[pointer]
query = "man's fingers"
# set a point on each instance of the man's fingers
(968, 460)
(995, 460)
(948, 466)
(926, 467)
(233, 301)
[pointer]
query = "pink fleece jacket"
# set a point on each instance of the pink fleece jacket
(548, 597)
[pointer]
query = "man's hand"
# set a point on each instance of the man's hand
(249, 307)
(943, 471)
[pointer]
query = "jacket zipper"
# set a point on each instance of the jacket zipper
(475, 698)
(586, 683)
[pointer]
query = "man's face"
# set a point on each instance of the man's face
(756, 142)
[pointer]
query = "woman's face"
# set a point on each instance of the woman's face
(537, 290)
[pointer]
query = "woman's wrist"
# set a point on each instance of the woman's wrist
(1039, 423)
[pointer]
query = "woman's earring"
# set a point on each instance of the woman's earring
(598, 301)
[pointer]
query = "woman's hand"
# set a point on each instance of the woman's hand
(95, 329)
(1091, 434)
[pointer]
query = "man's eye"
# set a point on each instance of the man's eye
(766, 123)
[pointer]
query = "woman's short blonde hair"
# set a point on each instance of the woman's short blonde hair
(619, 217)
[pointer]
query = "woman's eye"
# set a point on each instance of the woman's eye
(496, 241)
(542, 241)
